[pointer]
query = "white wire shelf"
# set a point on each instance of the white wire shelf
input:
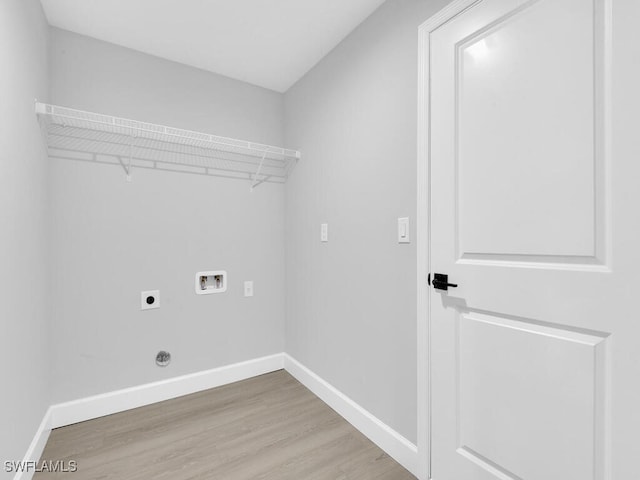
(79, 135)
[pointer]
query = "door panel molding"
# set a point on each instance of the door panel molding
(549, 262)
(494, 469)
(584, 354)
(595, 256)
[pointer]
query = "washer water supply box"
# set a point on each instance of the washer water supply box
(211, 282)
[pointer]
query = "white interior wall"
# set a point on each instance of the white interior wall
(24, 263)
(112, 239)
(351, 302)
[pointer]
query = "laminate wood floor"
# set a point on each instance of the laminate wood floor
(266, 428)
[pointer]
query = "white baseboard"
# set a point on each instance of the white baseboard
(120, 400)
(394, 444)
(36, 448)
(59, 415)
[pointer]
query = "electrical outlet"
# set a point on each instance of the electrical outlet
(149, 299)
(248, 288)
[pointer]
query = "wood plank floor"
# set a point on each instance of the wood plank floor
(266, 428)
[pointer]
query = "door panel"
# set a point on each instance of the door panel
(523, 81)
(525, 388)
(522, 350)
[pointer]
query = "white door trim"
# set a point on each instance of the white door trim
(423, 233)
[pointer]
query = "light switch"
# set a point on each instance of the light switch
(248, 288)
(403, 230)
(324, 232)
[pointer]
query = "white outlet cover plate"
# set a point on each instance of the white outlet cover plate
(144, 305)
(324, 232)
(248, 288)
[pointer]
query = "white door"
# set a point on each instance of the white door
(534, 194)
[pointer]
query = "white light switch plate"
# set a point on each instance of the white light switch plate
(248, 288)
(403, 230)
(324, 232)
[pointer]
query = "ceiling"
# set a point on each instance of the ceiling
(270, 43)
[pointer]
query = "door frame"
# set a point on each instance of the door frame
(423, 231)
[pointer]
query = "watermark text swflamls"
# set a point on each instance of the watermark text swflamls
(53, 466)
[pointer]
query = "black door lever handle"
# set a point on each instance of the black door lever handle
(441, 281)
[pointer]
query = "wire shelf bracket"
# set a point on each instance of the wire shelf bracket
(94, 137)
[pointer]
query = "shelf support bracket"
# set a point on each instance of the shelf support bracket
(123, 165)
(127, 168)
(255, 181)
